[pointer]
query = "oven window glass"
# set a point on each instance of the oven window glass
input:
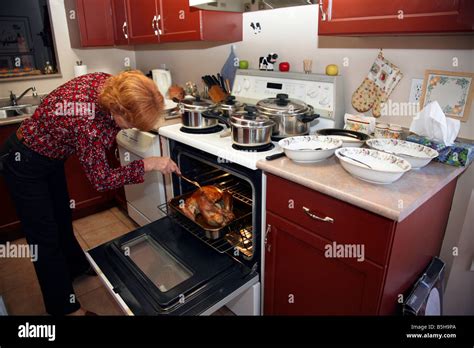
(156, 263)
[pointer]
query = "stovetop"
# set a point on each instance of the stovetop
(218, 146)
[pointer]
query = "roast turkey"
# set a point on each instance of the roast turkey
(212, 203)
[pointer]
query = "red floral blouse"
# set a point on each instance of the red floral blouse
(70, 121)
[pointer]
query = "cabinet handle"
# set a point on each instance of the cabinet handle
(315, 217)
(153, 25)
(268, 246)
(125, 30)
(158, 26)
(321, 9)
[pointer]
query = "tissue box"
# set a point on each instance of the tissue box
(459, 155)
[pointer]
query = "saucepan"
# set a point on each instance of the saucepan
(249, 128)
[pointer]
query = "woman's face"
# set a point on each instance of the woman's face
(121, 122)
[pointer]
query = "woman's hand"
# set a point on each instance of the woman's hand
(161, 164)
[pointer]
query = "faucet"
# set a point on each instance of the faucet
(14, 99)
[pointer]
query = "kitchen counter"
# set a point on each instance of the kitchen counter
(394, 201)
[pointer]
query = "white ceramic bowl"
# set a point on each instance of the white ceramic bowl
(418, 155)
(385, 168)
(302, 149)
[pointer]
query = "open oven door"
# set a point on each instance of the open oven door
(161, 269)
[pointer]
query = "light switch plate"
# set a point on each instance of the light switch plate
(415, 91)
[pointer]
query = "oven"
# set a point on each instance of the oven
(171, 267)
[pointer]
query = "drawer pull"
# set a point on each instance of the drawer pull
(315, 217)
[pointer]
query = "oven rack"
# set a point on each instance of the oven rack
(221, 245)
(237, 190)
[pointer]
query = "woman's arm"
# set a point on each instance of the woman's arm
(93, 158)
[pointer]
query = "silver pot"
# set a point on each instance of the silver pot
(249, 129)
(230, 106)
(291, 116)
(191, 113)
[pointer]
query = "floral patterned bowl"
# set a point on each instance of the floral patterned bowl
(374, 166)
(309, 148)
(418, 155)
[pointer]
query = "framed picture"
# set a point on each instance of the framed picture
(452, 90)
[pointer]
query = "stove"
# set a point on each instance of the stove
(221, 147)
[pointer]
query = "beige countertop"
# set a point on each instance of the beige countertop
(394, 201)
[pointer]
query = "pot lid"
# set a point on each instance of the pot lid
(230, 103)
(196, 104)
(282, 104)
(250, 118)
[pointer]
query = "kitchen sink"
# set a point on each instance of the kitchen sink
(17, 110)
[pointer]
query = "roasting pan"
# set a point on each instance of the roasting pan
(241, 210)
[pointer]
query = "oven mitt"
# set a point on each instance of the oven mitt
(364, 97)
(382, 79)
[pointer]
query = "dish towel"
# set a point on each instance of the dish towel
(230, 67)
(382, 79)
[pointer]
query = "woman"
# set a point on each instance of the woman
(81, 117)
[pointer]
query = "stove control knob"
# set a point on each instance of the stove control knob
(246, 84)
(324, 101)
(312, 93)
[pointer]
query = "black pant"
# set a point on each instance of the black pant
(38, 188)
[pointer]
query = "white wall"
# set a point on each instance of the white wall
(292, 33)
(110, 60)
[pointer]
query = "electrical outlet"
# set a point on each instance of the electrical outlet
(416, 90)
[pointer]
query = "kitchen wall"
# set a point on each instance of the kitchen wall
(292, 33)
(109, 60)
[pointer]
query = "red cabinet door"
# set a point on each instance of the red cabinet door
(301, 280)
(179, 22)
(143, 21)
(95, 22)
(121, 29)
(360, 17)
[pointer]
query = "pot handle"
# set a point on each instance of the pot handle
(307, 118)
(216, 115)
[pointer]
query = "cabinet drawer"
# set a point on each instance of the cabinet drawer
(345, 223)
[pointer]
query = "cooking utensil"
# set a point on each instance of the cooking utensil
(316, 149)
(249, 129)
(195, 183)
(221, 82)
(191, 113)
(240, 209)
(355, 160)
(291, 116)
(227, 85)
(275, 156)
(349, 138)
(229, 106)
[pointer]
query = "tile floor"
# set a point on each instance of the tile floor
(20, 289)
